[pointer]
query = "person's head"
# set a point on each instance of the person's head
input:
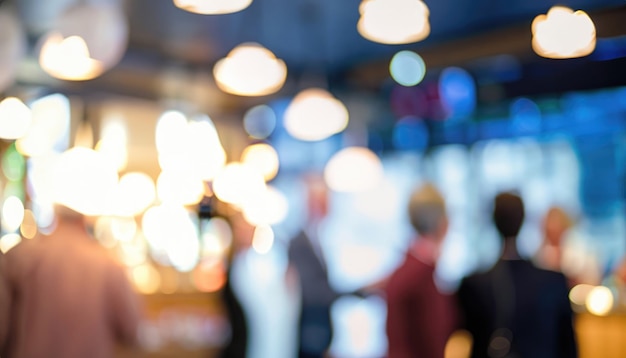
(427, 212)
(555, 223)
(508, 214)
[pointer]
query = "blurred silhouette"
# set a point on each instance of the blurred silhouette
(420, 317)
(237, 345)
(4, 306)
(556, 224)
(515, 309)
(70, 298)
(307, 266)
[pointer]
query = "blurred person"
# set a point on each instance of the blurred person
(308, 271)
(556, 223)
(71, 299)
(420, 317)
(516, 309)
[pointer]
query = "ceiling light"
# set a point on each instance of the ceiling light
(86, 41)
(407, 68)
(314, 114)
(212, 7)
(394, 21)
(563, 33)
(250, 70)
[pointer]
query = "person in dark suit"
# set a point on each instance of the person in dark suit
(307, 267)
(516, 309)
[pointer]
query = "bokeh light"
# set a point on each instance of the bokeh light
(353, 169)
(123, 229)
(410, 133)
(600, 301)
(146, 278)
(15, 118)
(28, 229)
(212, 7)
(237, 182)
(259, 121)
(314, 114)
(209, 276)
(263, 157)
(267, 207)
(578, 294)
(135, 192)
(13, 164)
(563, 33)
(68, 58)
(263, 239)
(250, 70)
(9, 241)
(394, 21)
(113, 143)
(178, 187)
(12, 214)
(407, 68)
(457, 91)
(50, 126)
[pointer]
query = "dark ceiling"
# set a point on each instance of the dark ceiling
(320, 37)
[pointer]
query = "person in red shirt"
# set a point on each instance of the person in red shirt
(420, 317)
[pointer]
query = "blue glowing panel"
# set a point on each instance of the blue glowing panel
(410, 133)
(457, 92)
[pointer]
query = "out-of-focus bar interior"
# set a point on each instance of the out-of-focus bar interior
(211, 116)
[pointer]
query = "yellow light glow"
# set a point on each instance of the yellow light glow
(263, 239)
(250, 70)
(600, 301)
(135, 192)
(68, 58)
(314, 114)
(12, 214)
(267, 207)
(113, 143)
(9, 241)
(28, 229)
(212, 7)
(353, 169)
(394, 21)
(146, 279)
(563, 33)
(180, 188)
(50, 126)
(84, 181)
(15, 118)
(123, 229)
(171, 132)
(84, 135)
(578, 294)
(263, 157)
(133, 252)
(236, 182)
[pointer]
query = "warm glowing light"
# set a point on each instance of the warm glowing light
(250, 70)
(12, 213)
(578, 294)
(212, 7)
(13, 45)
(68, 59)
(263, 157)
(133, 252)
(267, 207)
(8, 241)
(563, 33)
(179, 188)
(113, 142)
(237, 182)
(84, 135)
(353, 169)
(171, 131)
(407, 68)
(172, 236)
(85, 41)
(599, 301)
(50, 126)
(28, 229)
(123, 229)
(15, 118)
(263, 239)
(314, 114)
(260, 121)
(84, 181)
(135, 192)
(209, 276)
(216, 237)
(146, 279)
(206, 152)
(394, 21)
